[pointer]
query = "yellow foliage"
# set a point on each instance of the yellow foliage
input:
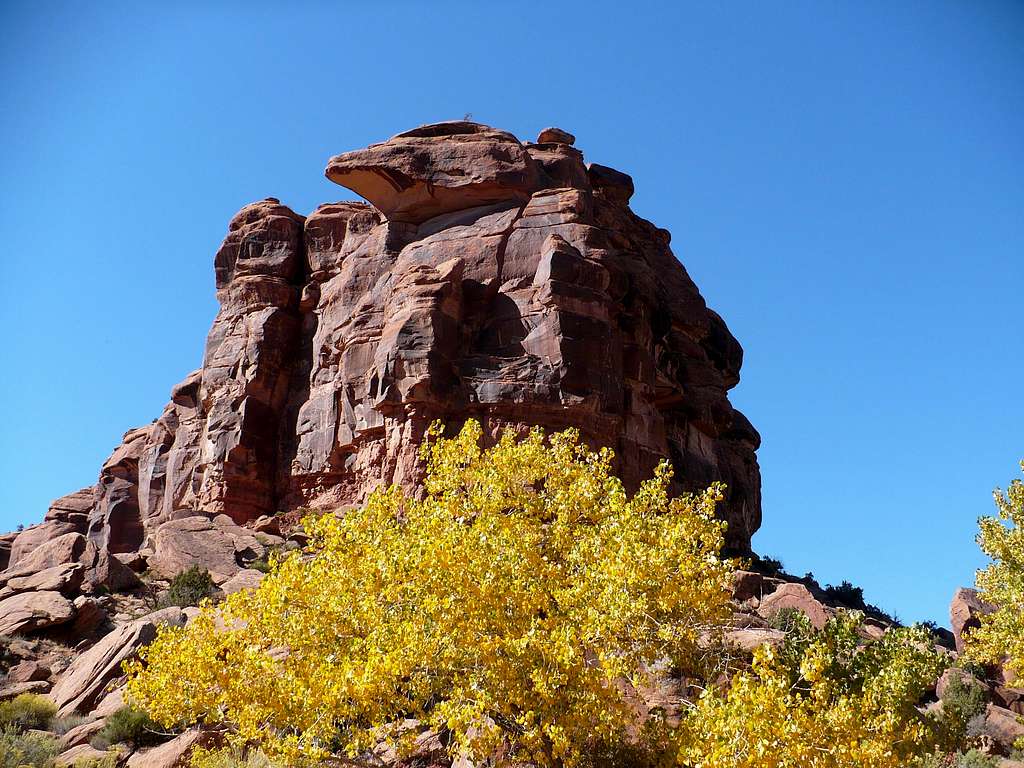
(502, 607)
(821, 700)
(1000, 638)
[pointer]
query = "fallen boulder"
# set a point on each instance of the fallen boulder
(31, 611)
(795, 596)
(174, 753)
(964, 611)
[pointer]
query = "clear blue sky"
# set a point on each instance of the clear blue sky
(844, 181)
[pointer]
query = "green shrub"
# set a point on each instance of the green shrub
(963, 701)
(847, 594)
(26, 750)
(128, 725)
(234, 758)
(27, 711)
(189, 588)
(786, 619)
(110, 760)
(976, 759)
(770, 565)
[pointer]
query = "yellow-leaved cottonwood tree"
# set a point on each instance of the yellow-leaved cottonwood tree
(1000, 638)
(504, 609)
(821, 700)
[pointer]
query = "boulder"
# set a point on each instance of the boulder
(82, 684)
(108, 572)
(89, 616)
(555, 136)
(794, 596)
(27, 671)
(73, 508)
(44, 546)
(220, 548)
(248, 578)
(16, 689)
(266, 524)
(1003, 727)
(175, 753)
(65, 578)
(435, 169)
(109, 704)
(82, 734)
(964, 611)
(751, 638)
(79, 755)
(31, 611)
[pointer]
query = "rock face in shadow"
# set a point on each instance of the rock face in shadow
(488, 278)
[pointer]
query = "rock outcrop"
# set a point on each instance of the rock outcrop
(488, 278)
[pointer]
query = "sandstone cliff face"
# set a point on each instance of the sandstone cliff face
(486, 278)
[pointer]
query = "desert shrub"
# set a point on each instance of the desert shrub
(976, 759)
(27, 711)
(128, 725)
(962, 701)
(769, 565)
(847, 594)
(189, 588)
(111, 760)
(1001, 634)
(499, 606)
(820, 699)
(62, 725)
(26, 750)
(231, 758)
(786, 619)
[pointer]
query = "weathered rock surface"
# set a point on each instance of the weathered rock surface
(964, 611)
(1003, 726)
(83, 684)
(217, 545)
(81, 754)
(173, 754)
(244, 579)
(31, 611)
(489, 278)
(797, 597)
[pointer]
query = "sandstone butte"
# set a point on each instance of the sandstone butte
(485, 277)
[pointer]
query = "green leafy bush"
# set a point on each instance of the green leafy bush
(769, 565)
(963, 700)
(26, 750)
(128, 725)
(27, 711)
(786, 619)
(847, 594)
(189, 588)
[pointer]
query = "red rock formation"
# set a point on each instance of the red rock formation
(486, 279)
